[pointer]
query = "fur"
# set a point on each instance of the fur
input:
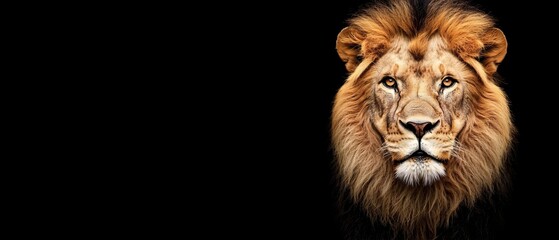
(373, 202)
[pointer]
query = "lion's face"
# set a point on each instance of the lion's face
(419, 108)
(420, 93)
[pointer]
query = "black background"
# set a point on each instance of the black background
(217, 122)
(282, 72)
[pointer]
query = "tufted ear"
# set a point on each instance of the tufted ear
(354, 45)
(348, 46)
(494, 49)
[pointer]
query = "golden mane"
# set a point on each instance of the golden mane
(478, 168)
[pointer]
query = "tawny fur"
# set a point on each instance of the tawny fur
(479, 166)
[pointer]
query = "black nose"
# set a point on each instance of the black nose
(419, 128)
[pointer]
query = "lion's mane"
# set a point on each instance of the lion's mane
(479, 170)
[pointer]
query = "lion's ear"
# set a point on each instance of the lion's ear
(354, 45)
(494, 49)
(348, 46)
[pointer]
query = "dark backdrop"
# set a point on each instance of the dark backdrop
(288, 74)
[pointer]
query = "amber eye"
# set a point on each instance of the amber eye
(389, 82)
(448, 82)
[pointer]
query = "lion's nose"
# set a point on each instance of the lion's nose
(419, 128)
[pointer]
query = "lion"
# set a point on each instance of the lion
(421, 130)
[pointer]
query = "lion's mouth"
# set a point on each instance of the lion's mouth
(419, 156)
(420, 167)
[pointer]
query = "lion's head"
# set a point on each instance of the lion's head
(420, 127)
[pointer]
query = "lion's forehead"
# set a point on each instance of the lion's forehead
(437, 59)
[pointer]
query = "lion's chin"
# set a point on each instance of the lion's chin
(420, 170)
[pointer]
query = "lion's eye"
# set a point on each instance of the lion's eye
(448, 82)
(389, 82)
